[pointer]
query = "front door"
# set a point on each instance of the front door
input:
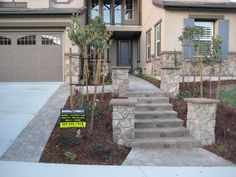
(124, 54)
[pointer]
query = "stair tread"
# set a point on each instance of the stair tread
(154, 105)
(162, 129)
(154, 112)
(158, 120)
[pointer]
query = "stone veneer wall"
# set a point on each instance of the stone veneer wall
(167, 60)
(201, 119)
(123, 121)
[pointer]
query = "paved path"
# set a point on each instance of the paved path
(30, 144)
(22, 169)
(19, 103)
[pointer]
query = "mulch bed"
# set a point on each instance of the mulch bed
(225, 129)
(91, 148)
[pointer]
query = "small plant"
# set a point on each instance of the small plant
(222, 149)
(185, 94)
(70, 155)
(103, 151)
(175, 59)
(138, 71)
(67, 141)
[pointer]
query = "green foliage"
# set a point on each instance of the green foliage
(102, 150)
(150, 79)
(175, 59)
(185, 94)
(222, 149)
(138, 71)
(67, 141)
(229, 95)
(70, 155)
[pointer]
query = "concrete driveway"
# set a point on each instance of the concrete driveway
(19, 103)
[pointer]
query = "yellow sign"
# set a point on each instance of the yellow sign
(73, 125)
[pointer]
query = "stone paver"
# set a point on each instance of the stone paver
(30, 144)
(174, 157)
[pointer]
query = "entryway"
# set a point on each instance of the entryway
(124, 53)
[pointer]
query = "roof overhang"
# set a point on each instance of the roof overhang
(190, 5)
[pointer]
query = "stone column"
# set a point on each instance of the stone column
(170, 81)
(120, 79)
(123, 121)
(201, 119)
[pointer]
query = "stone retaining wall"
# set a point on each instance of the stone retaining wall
(201, 119)
(123, 121)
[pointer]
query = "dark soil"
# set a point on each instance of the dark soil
(92, 148)
(225, 129)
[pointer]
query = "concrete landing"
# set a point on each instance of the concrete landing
(174, 157)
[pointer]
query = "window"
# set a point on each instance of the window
(93, 55)
(62, 1)
(206, 39)
(50, 40)
(129, 9)
(27, 40)
(118, 12)
(158, 39)
(106, 12)
(5, 40)
(95, 9)
(148, 45)
(138, 52)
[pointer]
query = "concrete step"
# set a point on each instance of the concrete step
(152, 123)
(154, 107)
(161, 132)
(176, 142)
(152, 99)
(144, 94)
(155, 114)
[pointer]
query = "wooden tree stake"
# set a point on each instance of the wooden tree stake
(70, 81)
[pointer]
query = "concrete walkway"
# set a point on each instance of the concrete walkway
(19, 103)
(31, 142)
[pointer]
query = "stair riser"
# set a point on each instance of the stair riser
(142, 101)
(169, 108)
(155, 116)
(160, 135)
(154, 125)
(145, 95)
(166, 145)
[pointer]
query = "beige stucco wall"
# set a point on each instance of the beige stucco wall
(38, 4)
(201, 0)
(150, 16)
(72, 4)
(174, 23)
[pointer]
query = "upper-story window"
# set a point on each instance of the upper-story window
(206, 39)
(129, 9)
(5, 40)
(50, 40)
(148, 45)
(63, 1)
(118, 12)
(158, 39)
(95, 9)
(27, 40)
(107, 11)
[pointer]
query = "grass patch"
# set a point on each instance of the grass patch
(229, 96)
(150, 79)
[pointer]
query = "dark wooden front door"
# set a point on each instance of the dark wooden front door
(124, 53)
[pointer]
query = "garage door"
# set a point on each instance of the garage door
(31, 56)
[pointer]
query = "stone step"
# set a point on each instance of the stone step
(152, 123)
(155, 114)
(150, 100)
(154, 107)
(144, 94)
(176, 142)
(161, 132)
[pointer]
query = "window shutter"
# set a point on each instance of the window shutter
(224, 34)
(188, 51)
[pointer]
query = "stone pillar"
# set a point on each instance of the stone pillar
(170, 78)
(123, 121)
(120, 78)
(201, 119)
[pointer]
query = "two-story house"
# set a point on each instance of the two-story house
(34, 43)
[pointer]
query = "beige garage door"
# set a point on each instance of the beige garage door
(30, 56)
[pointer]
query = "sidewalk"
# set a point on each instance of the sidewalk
(23, 169)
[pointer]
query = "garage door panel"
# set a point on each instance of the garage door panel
(27, 61)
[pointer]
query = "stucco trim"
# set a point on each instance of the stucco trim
(213, 17)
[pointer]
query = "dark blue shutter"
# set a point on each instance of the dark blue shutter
(188, 51)
(224, 34)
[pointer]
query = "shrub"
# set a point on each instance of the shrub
(103, 151)
(67, 141)
(222, 149)
(70, 155)
(185, 94)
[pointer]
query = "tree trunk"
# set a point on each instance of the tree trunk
(70, 80)
(95, 90)
(219, 78)
(183, 63)
(194, 79)
(201, 75)
(103, 76)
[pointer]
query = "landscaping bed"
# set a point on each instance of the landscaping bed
(84, 147)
